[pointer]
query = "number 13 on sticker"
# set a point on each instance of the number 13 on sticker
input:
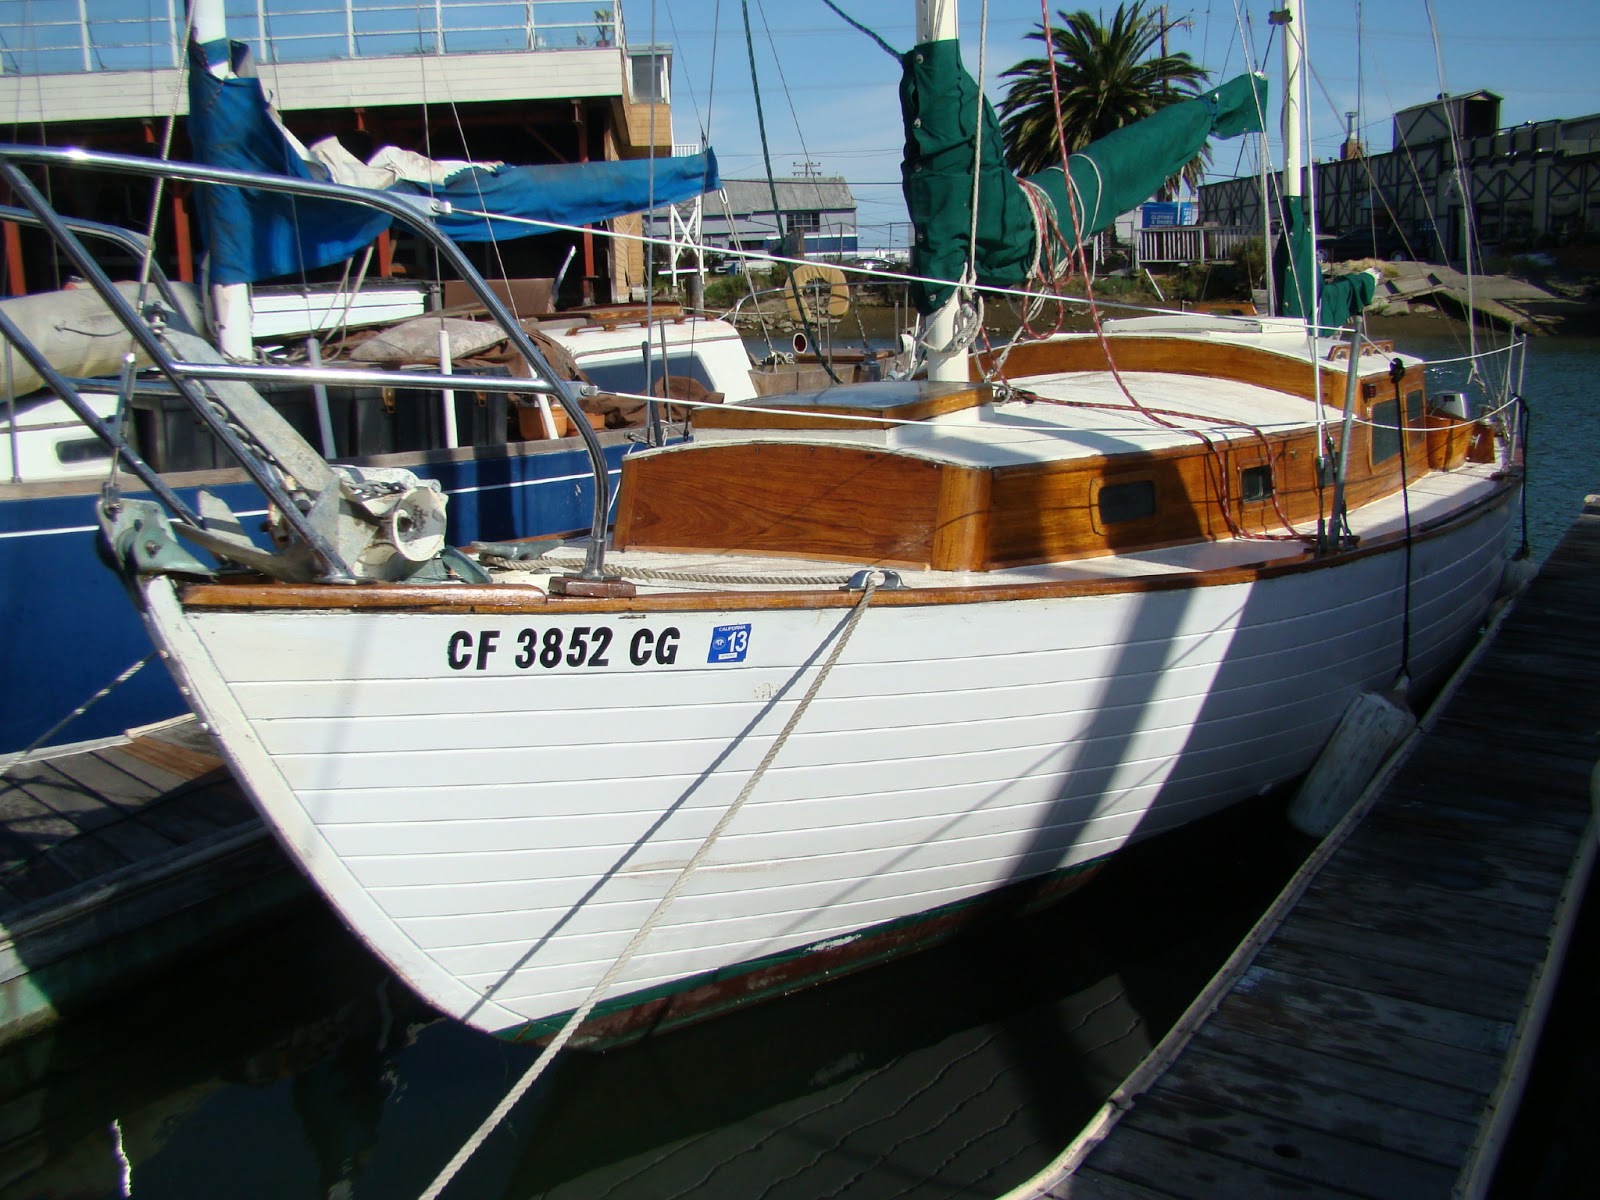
(729, 643)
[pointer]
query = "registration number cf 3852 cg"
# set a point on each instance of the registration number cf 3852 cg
(584, 646)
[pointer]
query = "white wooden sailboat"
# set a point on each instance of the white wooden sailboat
(855, 662)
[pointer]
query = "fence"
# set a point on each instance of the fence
(1193, 243)
(56, 37)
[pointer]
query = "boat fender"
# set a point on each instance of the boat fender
(1368, 732)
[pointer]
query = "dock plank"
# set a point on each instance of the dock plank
(1363, 1043)
(1263, 1087)
(117, 859)
(86, 807)
(1328, 1003)
(1467, 871)
(107, 779)
(176, 753)
(1186, 1172)
(1249, 1020)
(1280, 1147)
(1353, 886)
(1342, 954)
(1318, 1064)
(1092, 1185)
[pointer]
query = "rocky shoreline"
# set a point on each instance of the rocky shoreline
(1418, 297)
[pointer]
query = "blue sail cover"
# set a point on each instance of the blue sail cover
(251, 235)
(563, 193)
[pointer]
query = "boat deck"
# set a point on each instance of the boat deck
(114, 858)
(1372, 1036)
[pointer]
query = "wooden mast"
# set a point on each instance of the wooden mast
(936, 22)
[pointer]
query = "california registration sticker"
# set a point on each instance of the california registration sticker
(728, 643)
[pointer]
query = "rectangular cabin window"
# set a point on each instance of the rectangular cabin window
(1255, 483)
(81, 450)
(1414, 409)
(1385, 431)
(1135, 501)
(628, 374)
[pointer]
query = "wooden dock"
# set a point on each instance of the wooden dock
(1372, 1035)
(115, 859)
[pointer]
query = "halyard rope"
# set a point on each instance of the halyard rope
(581, 1014)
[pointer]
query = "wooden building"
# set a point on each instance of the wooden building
(538, 81)
(1530, 187)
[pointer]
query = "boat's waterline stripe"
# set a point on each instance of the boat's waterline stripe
(1042, 884)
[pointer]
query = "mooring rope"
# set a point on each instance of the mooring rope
(581, 1013)
(667, 574)
(7, 763)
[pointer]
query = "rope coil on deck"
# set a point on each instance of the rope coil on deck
(581, 1013)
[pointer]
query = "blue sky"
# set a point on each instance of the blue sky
(829, 93)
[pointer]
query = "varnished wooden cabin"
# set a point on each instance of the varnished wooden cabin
(1184, 439)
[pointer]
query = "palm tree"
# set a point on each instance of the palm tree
(1107, 77)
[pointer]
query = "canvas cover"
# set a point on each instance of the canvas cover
(250, 235)
(1108, 177)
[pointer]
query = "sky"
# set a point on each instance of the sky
(828, 92)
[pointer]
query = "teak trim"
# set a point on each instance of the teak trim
(506, 598)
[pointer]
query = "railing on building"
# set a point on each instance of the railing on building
(56, 37)
(1192, 243)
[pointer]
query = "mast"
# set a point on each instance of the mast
(1293, 151)
(1295, 259)
(230, 302)
(936, 22)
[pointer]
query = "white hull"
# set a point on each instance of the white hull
(498, 834)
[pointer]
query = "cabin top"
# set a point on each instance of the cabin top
(1058, 417)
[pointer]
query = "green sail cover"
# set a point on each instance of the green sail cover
(1294, 263)
(1302, 291)
(938, 101)
(1343, 297)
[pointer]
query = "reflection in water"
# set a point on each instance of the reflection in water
(291, 1065)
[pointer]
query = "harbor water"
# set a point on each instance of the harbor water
(288, 1063)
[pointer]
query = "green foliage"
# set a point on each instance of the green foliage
(1107, 79)
(1250, 261)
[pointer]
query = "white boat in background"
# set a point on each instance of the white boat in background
(851, 664)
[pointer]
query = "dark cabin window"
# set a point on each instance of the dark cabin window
(1134, 501)
(629, 376)
(1414, 424)
(1255, 483)
(82, 450)
(1385, 431)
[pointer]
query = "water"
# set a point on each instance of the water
(1560, 386)
(292, 1065)
(289, 1064)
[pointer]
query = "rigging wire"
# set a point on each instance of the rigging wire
(1077, 262)
(772, 185)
